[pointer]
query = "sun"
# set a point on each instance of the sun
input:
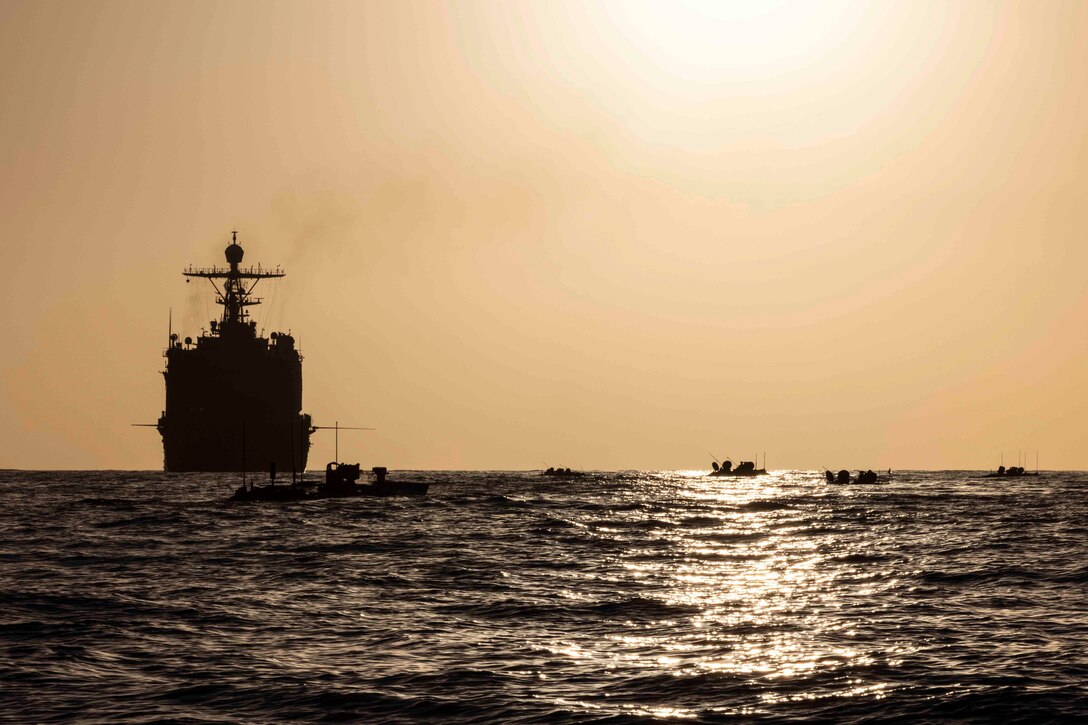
(704, 40)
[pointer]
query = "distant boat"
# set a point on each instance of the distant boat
(864, 478)
(563, 473)
(1011, 472)
(746, 468)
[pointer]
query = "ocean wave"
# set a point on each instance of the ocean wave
(502, 597)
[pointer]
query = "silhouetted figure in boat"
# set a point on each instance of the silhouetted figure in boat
(1010, 472)
(830, 476)
(563, 473)
(844, 476)
(744, 468)
(866, 477)
(340, 479)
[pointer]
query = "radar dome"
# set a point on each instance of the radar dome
(234, 253)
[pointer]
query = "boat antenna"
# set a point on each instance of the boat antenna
(337, 427)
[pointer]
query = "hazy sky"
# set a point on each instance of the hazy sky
(612, 235)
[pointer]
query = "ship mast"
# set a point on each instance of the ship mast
(236, 293)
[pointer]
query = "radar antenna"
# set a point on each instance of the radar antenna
(238, 282)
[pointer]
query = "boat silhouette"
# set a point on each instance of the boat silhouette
(341, 481)
(230, 379)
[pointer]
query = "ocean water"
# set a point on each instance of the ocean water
(511, 598)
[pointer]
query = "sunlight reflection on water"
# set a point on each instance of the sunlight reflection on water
(763, 588)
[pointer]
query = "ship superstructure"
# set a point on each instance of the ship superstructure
(233, 397)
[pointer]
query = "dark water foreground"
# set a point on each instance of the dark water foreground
(508, 597)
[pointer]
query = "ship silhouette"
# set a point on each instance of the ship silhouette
(233, 397)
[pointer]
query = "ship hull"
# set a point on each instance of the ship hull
(234, 402)
(252, 445)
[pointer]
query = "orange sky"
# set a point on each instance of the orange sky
(612, 235)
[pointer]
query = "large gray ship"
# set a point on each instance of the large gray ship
(234, 397)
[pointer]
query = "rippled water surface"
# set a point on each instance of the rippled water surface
(509, 597)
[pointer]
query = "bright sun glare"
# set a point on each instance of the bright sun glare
(705, 40)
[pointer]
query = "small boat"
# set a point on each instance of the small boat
(864, 478)
(1011, 472)
(340, 482)
(563, 473)
(746, 468)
